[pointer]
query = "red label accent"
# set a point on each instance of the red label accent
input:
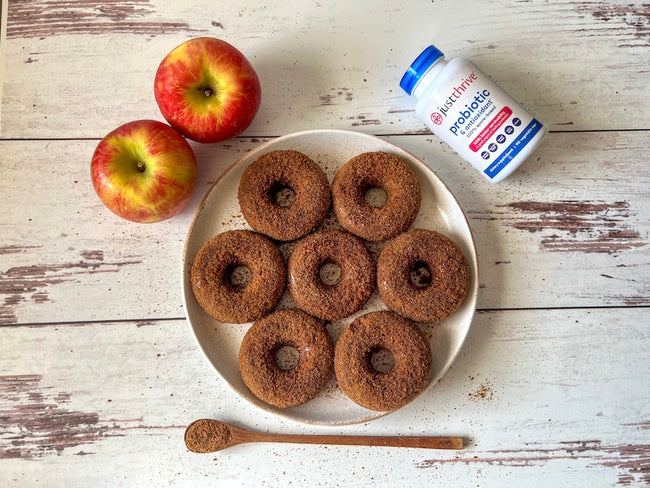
(493, 126)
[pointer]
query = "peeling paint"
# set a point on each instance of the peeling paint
(40, 19)
(23, 283)
(336, 96)
(579, 226)
(625, 19)
(34, 422)
(16, 249)
(92, 255)
(640, 425)
(631, 460)
(361, 120)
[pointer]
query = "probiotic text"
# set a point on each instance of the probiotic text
(476, 117)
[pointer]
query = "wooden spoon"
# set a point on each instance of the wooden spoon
(208, 435)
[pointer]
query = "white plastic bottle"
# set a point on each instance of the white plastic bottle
(477, 118)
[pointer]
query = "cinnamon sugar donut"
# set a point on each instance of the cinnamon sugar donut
(285, 170)
(447, 284)
(258, 364)
(359, 380)
(376, 170)
(357, 274)
(211, 276)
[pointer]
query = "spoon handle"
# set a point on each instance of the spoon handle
(422, 442)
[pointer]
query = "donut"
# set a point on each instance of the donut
(368, 387)
(289, 172)
(376, 170)
(433, 298)
(260, 370)
(212, 269)
(357, 274)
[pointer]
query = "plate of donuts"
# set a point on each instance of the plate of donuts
(228, 229)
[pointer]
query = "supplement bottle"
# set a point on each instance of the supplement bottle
(477, 118)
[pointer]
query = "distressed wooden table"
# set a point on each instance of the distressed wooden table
(99, 373)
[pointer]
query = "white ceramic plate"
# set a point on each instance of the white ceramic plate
(220, 212)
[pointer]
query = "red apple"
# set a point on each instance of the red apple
(207, 90)
(144, 171)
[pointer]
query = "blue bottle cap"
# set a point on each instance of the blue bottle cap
(422, 63)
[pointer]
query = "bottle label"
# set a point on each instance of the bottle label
(480, 121)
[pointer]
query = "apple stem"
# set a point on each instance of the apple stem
(140, 166)
(207, 92)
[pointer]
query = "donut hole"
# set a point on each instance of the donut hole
(381, 360)
(282, 195)
(375, 196)
(239, 275)
(420, 275)
(330, 273)
(287, 357)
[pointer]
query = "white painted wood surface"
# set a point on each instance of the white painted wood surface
(98, 371)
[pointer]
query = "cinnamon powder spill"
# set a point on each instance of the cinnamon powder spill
(483, 393)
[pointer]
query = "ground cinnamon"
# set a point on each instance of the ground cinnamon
(207, 436)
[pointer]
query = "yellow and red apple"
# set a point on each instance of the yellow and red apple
(207, 90)
(144, 171)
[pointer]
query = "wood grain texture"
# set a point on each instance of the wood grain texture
(132, 402)
(99, 373)
(51, 18)
(78, 69)
(64, 257)
(554, 213)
